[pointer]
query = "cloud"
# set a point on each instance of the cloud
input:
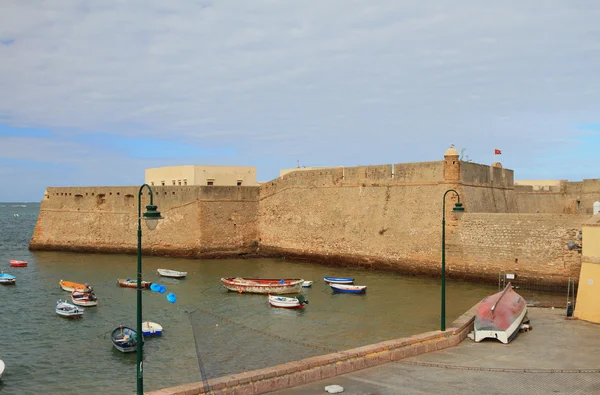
(333, 82)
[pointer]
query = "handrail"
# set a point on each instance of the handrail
(501, 295)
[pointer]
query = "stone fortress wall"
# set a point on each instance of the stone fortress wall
(382, 216)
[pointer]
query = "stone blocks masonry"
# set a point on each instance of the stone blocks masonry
(384, 216)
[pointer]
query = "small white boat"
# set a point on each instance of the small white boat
(348, 289)
(65, 309)
(307, 284)
(151, 328)
(1, 368)
(171, 273)
(7, 278)
(289, 303)
(84, 298)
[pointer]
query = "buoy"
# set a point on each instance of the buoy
(171, 297)
(163, 289)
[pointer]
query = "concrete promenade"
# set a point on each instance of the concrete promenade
(558, 356)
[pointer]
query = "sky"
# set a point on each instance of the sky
(93, 92)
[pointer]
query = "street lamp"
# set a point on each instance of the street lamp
(458, 209)
(151, 216)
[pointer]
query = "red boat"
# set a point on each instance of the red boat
(500, 316)
(129, 283)
(17, 263)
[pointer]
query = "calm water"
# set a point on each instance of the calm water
(45, 353)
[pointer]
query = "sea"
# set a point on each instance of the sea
(208, 332)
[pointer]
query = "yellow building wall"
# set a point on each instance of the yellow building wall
(201, 175)
(170, 175)
(587, 305)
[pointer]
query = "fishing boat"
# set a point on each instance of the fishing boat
(17, 263)
(70, 286)
(68, 310)
(349, 289)
(307, 284)
(338, 280)
(288, 303)
(499, 316)
(151, 328)
(171, 273)
(7, 279)
(125, 339)
(84, 298)
(129, 283)
(263, 285)
(1, 368)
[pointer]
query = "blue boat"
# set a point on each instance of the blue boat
(349, 289)
(338, 280)
(8, 279)
(125, 339)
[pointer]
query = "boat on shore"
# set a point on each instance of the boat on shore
(129, 283)
(499, 316)
(7, 279)
(263, 285)
(171, 273)
(84, 299)
(18, 263)
(338, 280)
(68, 310)
(151, 329)
(348, 289)
(288, 303)
(124, 339)
(70, 286)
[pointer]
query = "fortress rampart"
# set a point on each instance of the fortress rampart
(382, 216)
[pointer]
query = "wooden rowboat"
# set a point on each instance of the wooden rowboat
(129, 283)
(307, 284)
(70, 286)
(124, 339)
(499, 316)
(151, 328)
(349, 289)
(84, 298)
(17, 263)
(68, 310)
(288, 303)
(263, 285)
(338, 280)
(171, 273)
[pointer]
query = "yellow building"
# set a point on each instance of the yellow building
(201, 175)
(587, 305)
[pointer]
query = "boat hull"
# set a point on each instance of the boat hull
(348, 289)
(7, 279)
(151, 329)
(500, 316)
(286, 303)
(84, 299)
(133, 283)
(338, 280)
(124, 339)
(68, 310)
(2, 366)
(307, 284)
(15, 263)
(263, 286)
(71, 286)
(171, 273)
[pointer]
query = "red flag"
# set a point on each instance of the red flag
(497, 152)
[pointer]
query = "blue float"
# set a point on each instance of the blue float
(155, 287)
(171, 297)
(163, 289)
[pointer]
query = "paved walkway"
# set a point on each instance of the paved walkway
(557, 357)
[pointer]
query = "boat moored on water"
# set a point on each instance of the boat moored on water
(68, 310)
(151, 329)
(288, 303)
(348, 289)
(499, 316)
(84, 298)
(307, 284)
(263, 285)
(125, 339)
(2, 366)
(338, 280)
(70, 286)
(18, 263)
(7, 279)
(129, 283)
(171, 273)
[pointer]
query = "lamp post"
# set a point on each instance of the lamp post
(458, 209)
(151, 216)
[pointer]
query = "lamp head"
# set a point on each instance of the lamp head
(458, 210)
(152, 215)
